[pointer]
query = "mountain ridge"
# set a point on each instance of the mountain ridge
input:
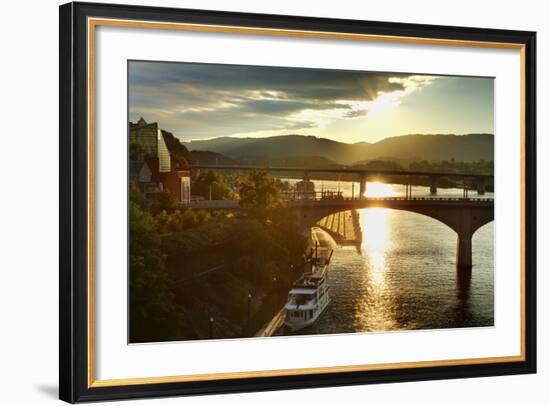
(410, 147)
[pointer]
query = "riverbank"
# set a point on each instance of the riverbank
(228, 321)
(207, 273)
(223, 303)
(321, 243)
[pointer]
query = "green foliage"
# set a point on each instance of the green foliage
(282, 185)
(171, 251)
(267, 249)
(155, 203)
(179, 154)
(138, 199)
(153, 314)
(259, 192)
(160, 202)
(210, 181)
(178, 221)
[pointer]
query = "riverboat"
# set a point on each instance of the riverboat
(309, 296)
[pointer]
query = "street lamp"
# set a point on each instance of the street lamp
(248, 314)
(211, 327)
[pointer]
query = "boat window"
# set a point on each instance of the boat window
(301, 299)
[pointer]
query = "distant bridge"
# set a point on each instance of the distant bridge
(479, 179)
(463, 215)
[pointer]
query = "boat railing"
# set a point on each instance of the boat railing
(299, 303)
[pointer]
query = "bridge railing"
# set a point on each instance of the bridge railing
(293, 197)
(234, 204)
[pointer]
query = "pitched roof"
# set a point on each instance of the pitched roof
(141, 123)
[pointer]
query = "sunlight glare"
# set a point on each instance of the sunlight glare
(379, 189)
(376, 241)
(384, 101)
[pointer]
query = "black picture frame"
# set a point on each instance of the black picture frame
(74, 199)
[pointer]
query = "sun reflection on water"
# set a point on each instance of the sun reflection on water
(377, 310)
(376, 241)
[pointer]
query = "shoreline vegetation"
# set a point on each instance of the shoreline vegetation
(188, 267)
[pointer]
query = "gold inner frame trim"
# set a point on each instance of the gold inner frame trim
(94, 22)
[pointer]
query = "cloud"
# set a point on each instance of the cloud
(356, 113)
(413, 82)
(209, 100)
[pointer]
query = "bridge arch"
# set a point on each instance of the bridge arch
(461, 216)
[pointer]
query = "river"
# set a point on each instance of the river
(403, 277)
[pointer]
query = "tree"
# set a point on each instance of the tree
(258, 192)
(161, 201)
(138, 198)
(154, 203)
(153, 314)
(178, 221)
(210, 182)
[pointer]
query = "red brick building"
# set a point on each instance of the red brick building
(178, 184)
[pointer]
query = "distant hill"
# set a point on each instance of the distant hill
(279, 147)
(181, 157)
(403, 149)
(437, 147)
(291, 161)
(211, 158)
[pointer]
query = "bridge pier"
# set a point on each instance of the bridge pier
(433, 185)
(465, 228)
(481, 186)
(464, 252)
(362, 185)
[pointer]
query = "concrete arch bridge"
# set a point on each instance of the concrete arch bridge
(463, 216)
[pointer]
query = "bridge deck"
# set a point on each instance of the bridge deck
(358, 171)
(356, 203)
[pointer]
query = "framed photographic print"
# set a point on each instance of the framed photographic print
(257, 202)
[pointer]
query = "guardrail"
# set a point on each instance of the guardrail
(395, 198)
(234, 204)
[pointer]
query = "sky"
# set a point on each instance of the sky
(201, 101)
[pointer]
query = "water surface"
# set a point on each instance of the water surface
(403, 275)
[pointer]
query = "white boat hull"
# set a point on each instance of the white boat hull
(301, 324)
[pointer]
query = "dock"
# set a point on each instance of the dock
(273, 325)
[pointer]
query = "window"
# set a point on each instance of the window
(185, 186)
